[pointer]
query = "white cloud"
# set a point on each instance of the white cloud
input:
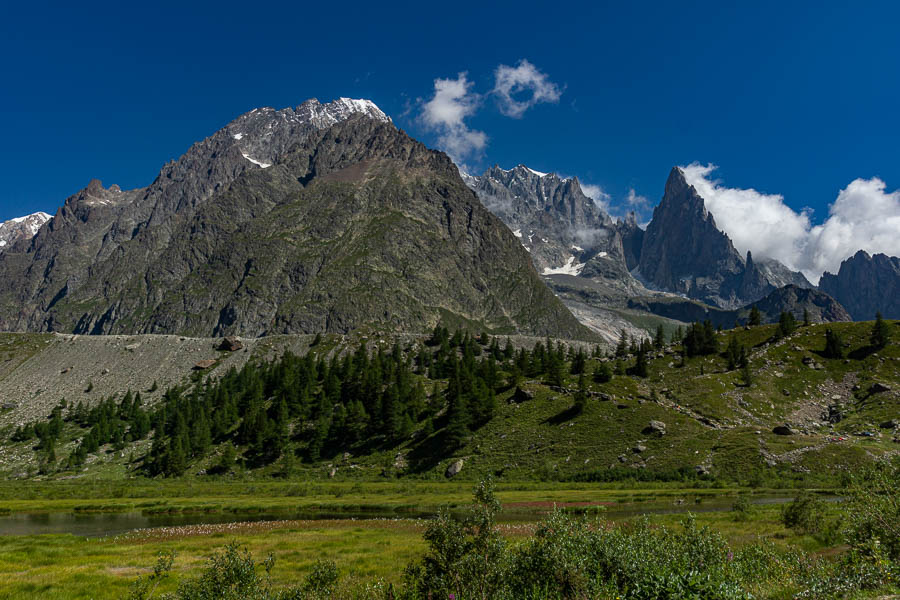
(863, 217)
(521, 87)
(596, 193)
(446, 112)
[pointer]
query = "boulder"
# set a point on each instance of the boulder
(521, 395)
(892, 424)
(783, 430)
(454, 468)
(204, 364)
(877, 388)
(639, 448)
(230, 344)
(655, 428)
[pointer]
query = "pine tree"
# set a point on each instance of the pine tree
(881, 333)
(622, 347)
(457, 421)
(660, 340)
(755, 317)
(581, 394)
(602, 373)
(786, 325)
(834, 345)
(732, 352)
(746, 374)
(578, 362)
(806, 321)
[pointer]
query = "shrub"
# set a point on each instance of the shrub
(873, 512)
(805, 514)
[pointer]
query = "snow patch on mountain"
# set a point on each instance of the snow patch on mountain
(256, 162)
(570, 268)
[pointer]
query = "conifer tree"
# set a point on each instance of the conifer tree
(660, 339)
(755, 317)
(881, 333)
(602, 373)
(581, 394)
(622, 347)
(834, 345)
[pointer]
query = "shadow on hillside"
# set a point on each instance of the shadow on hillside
(428, 453)
(561, 417)
(861, 353)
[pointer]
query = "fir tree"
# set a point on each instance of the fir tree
(602, 373)
(581, 394)
(755, 317)
(660, 339)
(881, 333)
(834, 345)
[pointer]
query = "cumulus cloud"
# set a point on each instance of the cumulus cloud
(446, 112)
(519, 88)
(596, 193)
(618, 208)
(863, 216)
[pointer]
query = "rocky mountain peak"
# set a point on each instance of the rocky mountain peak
(21, 228)
(865, 285)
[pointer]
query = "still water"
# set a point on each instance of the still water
(111, 524)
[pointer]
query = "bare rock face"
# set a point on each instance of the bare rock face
(866, 285)
(683, 251)
(554, 220)
(316, 219)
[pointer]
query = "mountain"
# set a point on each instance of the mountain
(322, 218)
(866, 285)
(21, 228)
(683, 251)
(821, 307)
(555, 221)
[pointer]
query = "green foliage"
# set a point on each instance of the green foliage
(570, 557)
(602, 373)
(144, 587)
(805, 514)
(881, 333)
(787, 324)
(873, 512)
(755, 318)
(700, 340)
(834, 345)
(465, 557)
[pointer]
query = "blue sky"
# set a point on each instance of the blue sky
(795, 99)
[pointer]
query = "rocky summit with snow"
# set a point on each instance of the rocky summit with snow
(326, 217)
(320, 218)
(21, 228)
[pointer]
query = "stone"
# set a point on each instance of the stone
(639, 448)
(655, 428)
(783, 430)
(877, 388)
(521, 395)
(454, 468)
(203, 364)
(230, 344)
(891, 424)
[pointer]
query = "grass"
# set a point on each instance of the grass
(69, 567)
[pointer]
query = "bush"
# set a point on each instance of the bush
(873, 512)
(805, 514)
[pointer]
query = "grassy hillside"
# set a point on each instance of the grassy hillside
(717, 428)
